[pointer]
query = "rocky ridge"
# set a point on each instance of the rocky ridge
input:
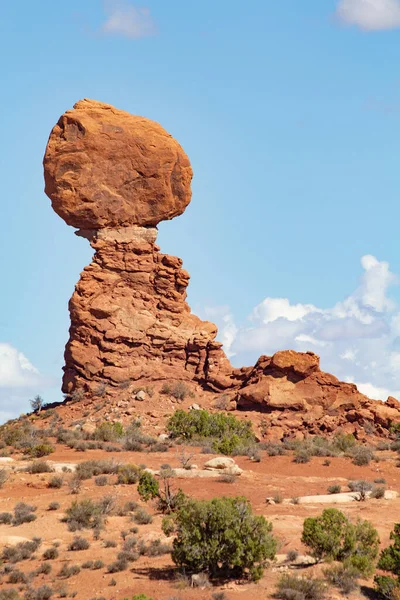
(115, 176)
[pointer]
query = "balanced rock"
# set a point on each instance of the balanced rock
(107, 168)
(115, 176)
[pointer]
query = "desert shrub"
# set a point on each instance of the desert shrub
(380, 480)
(43, 569)
(67, 571)
(168, 526)
(128, 474)
(178, 390)
(6, 518)
(278, 498)
(378, 493)
(292, 555)
(228, 433)
(344, 441)
(85, 514)
(9, 594)
(227, 478)
(333, 537)
(334, 489)
(141, 516)
(44, 592)
(21, 551)
(168, 499)
(36, 403)
(23, 513)
(78, 543)
(90, 468)
(362, 487)
(101, 480)
(53, 506)
(3, 477)
(157, 548)
(292, 587)
(110, 544)
(98, 564)
(120, 564)
(74, 485)
(39, 466)
(343, 577)
(50, 553)
(55, 482)
(302, 455)
(40, 450)
(245, 541)
(273, 449)
(108, 432)
(389, 561)
(17, 576)
(361, 455)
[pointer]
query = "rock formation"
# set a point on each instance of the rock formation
(115, 176)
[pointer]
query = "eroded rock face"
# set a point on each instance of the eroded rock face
(107, 168)
(130, 319)
(115, 176)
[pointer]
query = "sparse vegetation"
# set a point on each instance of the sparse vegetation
(78, 543)
(23, 513)
(293, 587)
(168, 499)
(85, 514)
(389, 561)
(227, 433)
(55, 482)
(334, 489)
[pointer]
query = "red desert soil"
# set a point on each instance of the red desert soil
(153, 576)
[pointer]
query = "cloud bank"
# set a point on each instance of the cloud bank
(358, 338)
(128, 21)
(19, 381)
(370, 15)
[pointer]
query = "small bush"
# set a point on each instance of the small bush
(98, 564)
(142, 517)
(21, 551)
(108, 432)
(56, 482)
(378, 493)
(90, 468)
(53, 506)
(334, 489)
(292, 555)
(361, 456)
(83, 515)
(23, 513)
(43, 569)
(78, 543)
(227, 478)
(110, 544)
(3, 477)
(117, 566)
(50, 554)
(6, 518)
(302, 455)
(40, 450)
(101, 480)
(343, 577)
(44, 592)
(68, 571)
(39, 466)
(278, 498)
(128, 474)
(74, 485)
(291, 587)
(17, 577)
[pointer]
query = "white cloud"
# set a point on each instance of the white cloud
(15, 369)
(19, 381)
(370, 15)
(129, 21)
(358, 338)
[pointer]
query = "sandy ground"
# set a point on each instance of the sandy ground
(152, 576)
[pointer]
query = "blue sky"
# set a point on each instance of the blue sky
(289, 112)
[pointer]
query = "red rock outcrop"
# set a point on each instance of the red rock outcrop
(115, 176)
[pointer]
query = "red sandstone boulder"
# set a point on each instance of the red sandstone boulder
(104, 167)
